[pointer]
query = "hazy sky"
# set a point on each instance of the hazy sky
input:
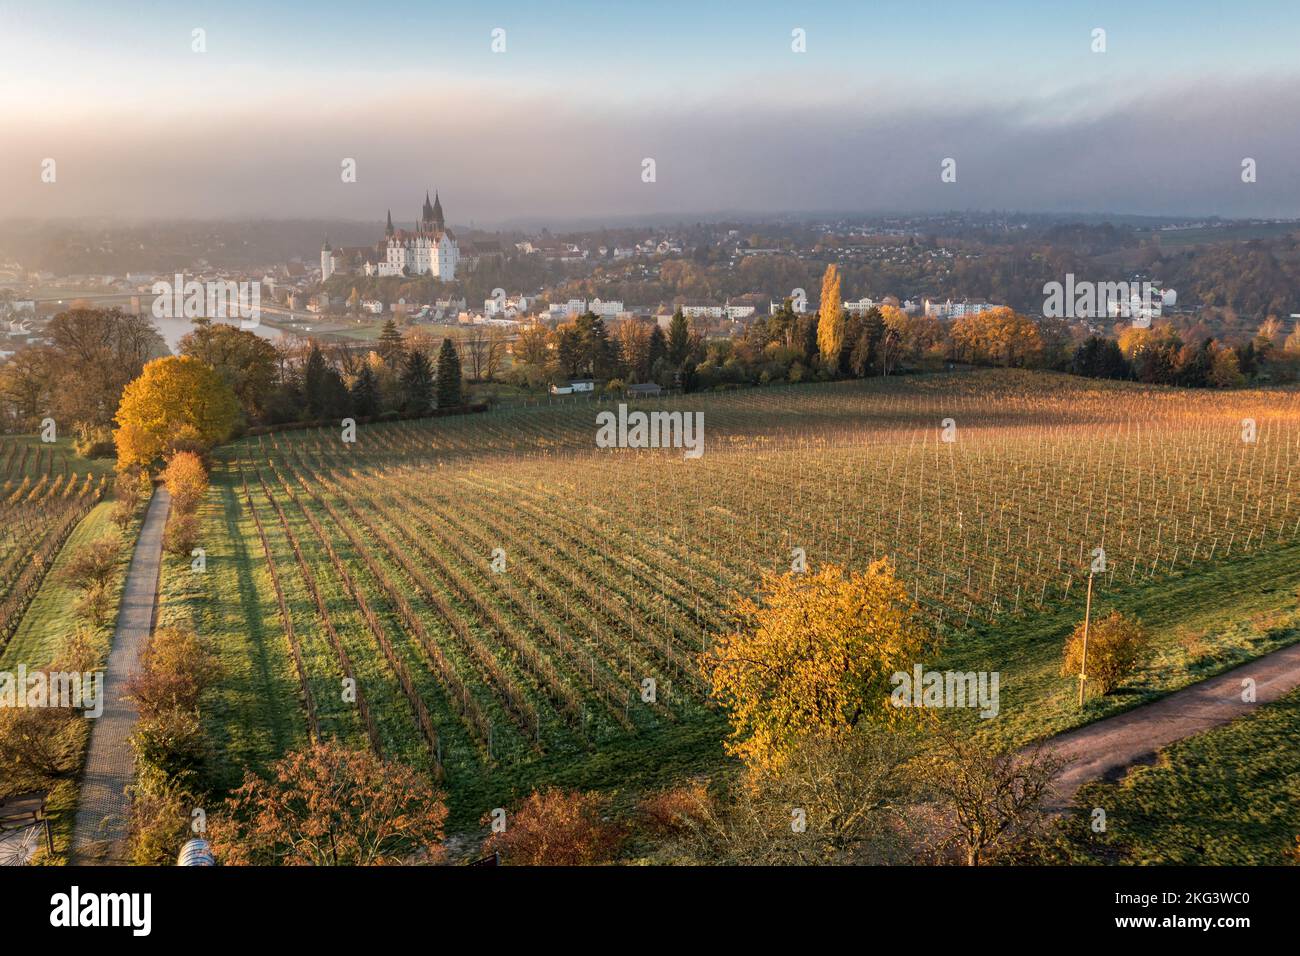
(558, 125)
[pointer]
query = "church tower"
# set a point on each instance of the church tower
(326, 260)
(438, 222)
(426, 214)
(388, 230)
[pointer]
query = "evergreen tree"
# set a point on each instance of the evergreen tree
(391, 347)
(417, 383)
(658, 345)
(449, 385)
(679, 339)
(315, 399)
(365, 393)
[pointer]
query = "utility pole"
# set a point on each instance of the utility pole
(1087, 615)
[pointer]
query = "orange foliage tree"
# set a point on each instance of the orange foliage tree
(327, 805)
(186, 479)
(557, 828)
(813, 658)
(175, 401)
(999, 336)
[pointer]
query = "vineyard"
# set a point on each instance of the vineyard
(44, 493)
(496, 600)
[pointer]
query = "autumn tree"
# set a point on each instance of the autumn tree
(327, 805)
(174, 671)
(174, 401)
(247, 362)
(830, 318)
(1115, 646)
(556, 827)
(186, 479)
(94, 354)
(997, 336)
(94, 563)
(813, 657)
(989, 800)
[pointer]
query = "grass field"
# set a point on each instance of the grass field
(45, 492)
(49, 619)
(1228, 797)
(620, 565)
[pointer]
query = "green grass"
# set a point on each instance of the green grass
(610, 530)
(1227, 797)
(1200, 623)
(51, 615)
(48, 620)
(253, 715)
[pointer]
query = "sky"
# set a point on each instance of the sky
(558, 121)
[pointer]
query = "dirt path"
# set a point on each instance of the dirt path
(1106, 749)
(99, 833)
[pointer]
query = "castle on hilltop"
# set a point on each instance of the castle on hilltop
(429, 249)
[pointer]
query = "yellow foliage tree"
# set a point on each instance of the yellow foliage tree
(186, 479)
(175, 400)
(813, 659)
(830, 318)
(998, 336)
(1115, 645)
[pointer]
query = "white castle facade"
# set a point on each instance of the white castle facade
(429, 249)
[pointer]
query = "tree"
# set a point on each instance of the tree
(365, 392)
(1225, 372)
(327, 805)
(1115, 645)
(391, 347)
(531, 346)
(186, 480)
(854, 796)
(247, 362)
(657, 350)
(998, 336)
(813, 657)
(175, 669)
(324, 393)
(95, 353)
(175, 400)
(557, 828)
(417, 383)
(449, 385)
(94, 564)
(679, 339)
(830, 318)
(990, 801)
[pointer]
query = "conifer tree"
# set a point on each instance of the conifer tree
(449, 395)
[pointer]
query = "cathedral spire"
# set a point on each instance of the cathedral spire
(388, 230)
(426, 215)
(438, 221)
